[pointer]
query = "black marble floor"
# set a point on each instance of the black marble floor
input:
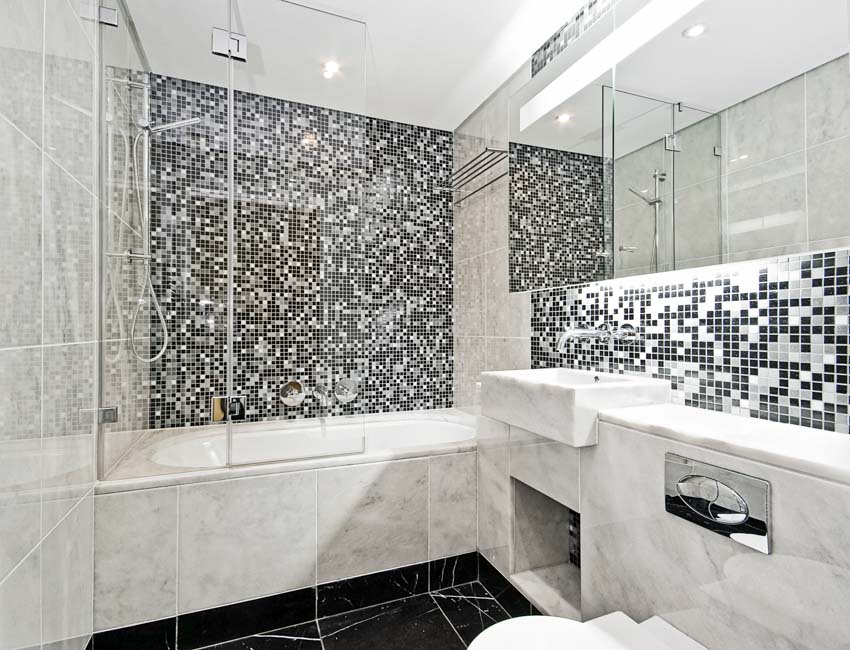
(439, 620)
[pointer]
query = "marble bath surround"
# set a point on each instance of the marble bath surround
(174, 545)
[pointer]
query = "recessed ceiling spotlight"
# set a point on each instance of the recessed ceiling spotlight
(330, 69)
(563, 118)
(694, 31)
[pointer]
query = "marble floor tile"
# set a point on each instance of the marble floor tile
(452, 571)
(509, 597)
(298, 637)
(363, 591)
(470, 609)
(415, 622)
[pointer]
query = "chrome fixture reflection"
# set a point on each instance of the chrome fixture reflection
(655, 202)
(346, 391)
(601, 333)
(292, 393)
(728, 503)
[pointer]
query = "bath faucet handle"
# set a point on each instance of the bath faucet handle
(625, 332)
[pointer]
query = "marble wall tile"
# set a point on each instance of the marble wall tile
(69, 269)
(20, 605)
(767, 126)
(496, 216)
(541, 530)
(372, 517)
(69, 97)
(67, 576)
(767, 204)
(469, 363)
(508, 353)
(20, 500)
(549, 467)
(468, 218)
(639, 559)
(828, 166)
(20, 251)
(696, 162)
(634, 227)
(828, 102)
(246, 538)
(505, 313)
(698, 222)
(21, 55)
(468, 298)
(68, 428)
(20, 382)
(494, 494)
(135, 572)
(452, 485)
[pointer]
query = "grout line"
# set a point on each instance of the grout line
(177, 569)
(41, 338)
(448, 620)
(806, 154)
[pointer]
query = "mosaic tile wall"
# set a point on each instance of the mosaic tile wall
(583, 20)
(767, 339)
(556, 231)
(343, 256)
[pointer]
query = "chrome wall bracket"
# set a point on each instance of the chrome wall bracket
(104, 414)
(230, 44)
(103, 15)
(728, 503)
(671, 142)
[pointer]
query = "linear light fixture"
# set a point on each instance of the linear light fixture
(626, 39)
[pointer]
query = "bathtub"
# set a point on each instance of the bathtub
(194, 454)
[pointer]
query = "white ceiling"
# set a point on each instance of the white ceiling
(422, 62)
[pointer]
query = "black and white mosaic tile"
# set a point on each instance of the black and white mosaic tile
(556, 233)
(584, 19)
(343, 262)
(766, 339)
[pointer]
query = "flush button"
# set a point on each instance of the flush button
(713, 500)
(723, 501)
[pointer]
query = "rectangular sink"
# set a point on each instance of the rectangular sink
(563, 404)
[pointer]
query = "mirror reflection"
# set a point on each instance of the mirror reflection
(622, 164)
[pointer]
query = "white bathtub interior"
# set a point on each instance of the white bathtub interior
(204, 448)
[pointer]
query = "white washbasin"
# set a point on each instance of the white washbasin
(563, 404)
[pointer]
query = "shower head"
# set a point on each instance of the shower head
(640, 195)
(173, 125)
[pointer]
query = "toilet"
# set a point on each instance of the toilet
(610, 632)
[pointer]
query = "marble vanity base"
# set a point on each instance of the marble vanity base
(438, 604)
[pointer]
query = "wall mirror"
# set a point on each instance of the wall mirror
(682, 133)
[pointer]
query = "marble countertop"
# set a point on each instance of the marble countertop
(823, 454)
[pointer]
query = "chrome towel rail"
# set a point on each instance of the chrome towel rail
(475, 168)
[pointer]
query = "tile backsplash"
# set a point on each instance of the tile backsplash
(342, 260)
(766, 339)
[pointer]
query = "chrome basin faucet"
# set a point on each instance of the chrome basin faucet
(602, 333)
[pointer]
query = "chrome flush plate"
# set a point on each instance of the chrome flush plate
(728, 503)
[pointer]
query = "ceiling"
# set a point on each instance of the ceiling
(428, 63)
(749, 47)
